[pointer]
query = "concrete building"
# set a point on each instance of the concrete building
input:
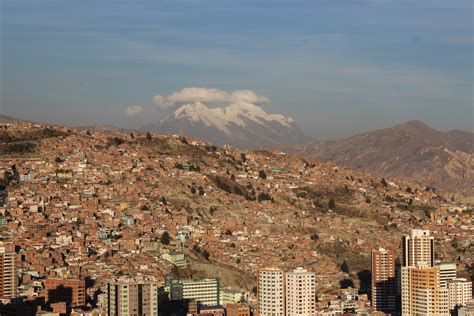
(69, 291)
(205, 291)
(460, 292)
(230, 296)
(176, 258)
(212, 310)
(447, 272)
(131, 297)
(300, 286)
(271, 292)
(7, 272)
(175, 290)
(384, 281)
(467, 310)
(421, 292)
(242, 309)
(418, 248)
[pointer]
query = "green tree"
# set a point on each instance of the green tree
(314, 236)
(212, 210)
(345, 267)
(264, 197)
(165, 238)
(332, 204)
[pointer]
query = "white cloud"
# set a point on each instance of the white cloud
(247, 96)
(135, 110)
(208, 95)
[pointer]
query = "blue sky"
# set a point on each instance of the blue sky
(337, 67)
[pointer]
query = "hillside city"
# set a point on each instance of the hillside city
(117, 222)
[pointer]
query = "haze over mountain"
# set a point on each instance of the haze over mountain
(337, 67)
(237, 119)
(410, 151)
(8, 119)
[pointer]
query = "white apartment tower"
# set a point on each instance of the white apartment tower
(300, 288)
(460, 292)
(271, 292)
(422, 293)
(418, 248)
(421, 288)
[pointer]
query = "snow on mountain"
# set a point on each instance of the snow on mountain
(241, 125)
(232, 114)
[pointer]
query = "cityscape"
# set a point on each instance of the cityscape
(236, 158)
(144, 224)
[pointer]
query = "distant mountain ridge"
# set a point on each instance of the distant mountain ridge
(243, 125)
(8, 119)
(410, 151)
(111, 129)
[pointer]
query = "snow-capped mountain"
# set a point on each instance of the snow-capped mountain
(242, 125)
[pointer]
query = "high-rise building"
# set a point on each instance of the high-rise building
(271, 292)
(175, 290)
(7, 271)
(384, 281)
(460, 292)
(131, 297)
(418, 248)
(300, 287)
(422, 293)
(69, 291)
(447, 272)
(205, 291)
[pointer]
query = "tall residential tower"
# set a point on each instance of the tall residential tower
(7, 271)
(130, 296)
(384, 281)
(418, 248)
(271, 292)
(300, 286)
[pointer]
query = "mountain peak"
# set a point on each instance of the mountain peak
(413, 126)
(239, 124)
(411, 151)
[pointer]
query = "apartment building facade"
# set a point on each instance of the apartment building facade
(131, 297)
(300, 288)
(7, 272)
(384, 281)
(271, 292)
